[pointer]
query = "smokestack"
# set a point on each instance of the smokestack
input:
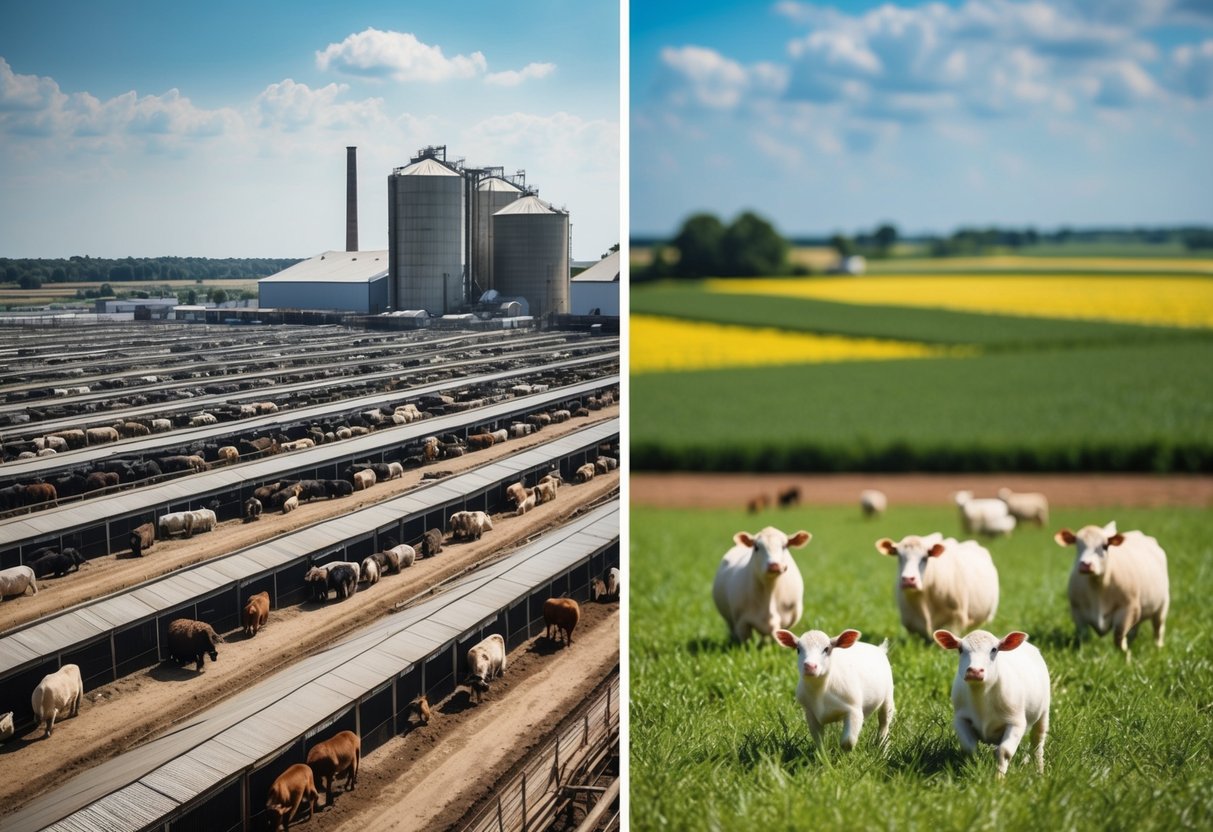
(351, 199)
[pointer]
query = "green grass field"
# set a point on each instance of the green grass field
(718, 741)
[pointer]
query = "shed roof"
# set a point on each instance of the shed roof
(605, 270)
(335, 267)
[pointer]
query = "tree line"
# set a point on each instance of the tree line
(748, 246)
(31, 273)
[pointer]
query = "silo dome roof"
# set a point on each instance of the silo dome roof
(496, 183)
(426, 167)
(528, 205)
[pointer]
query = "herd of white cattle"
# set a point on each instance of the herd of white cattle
(1001, 689)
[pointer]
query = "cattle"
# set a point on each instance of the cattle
(174, 523)
(161, 425)
(500, 436)
(526, 505)
(74, 438)
(47, 452)
(486, 661)
(317, 580)
(363, 480)
(37, 493)
(57, 693)
(394, 471)
(288, 791)
(58, 564)
(99, 480)
(757, 504)
(521, 429)
(399, 556)
(431, 543)
(296, 445)
(586, 472)
(1001, 690)
(560, 617)
(598, 589)
(6, 727)
(192, 641)
(130, 430)
(203, 520)
(338, 488)
(312, 490)
(1118, 581)
(259, 447)
(100, 436)
(266, 492)
(789, 496)
(581, 412)
(55, 443)
(252, 510)
(430, 448)
(143, 470)
(16, 579)
(287, 492)
(256, 613)
(872, 502)
(290, 504)
(561, 415)
(452, 451)
(202, 419)
(421, 708)
(228, 455)
(516, 493)
(841, 678)
(370, 570)
(335, 756)
(1026, 505)
(613, 581)
(942, 582)
(470, 524)
(983, 516)
(758, 585)
(342, 578)
(142, 538)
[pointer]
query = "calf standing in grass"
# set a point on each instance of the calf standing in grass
(330, 759)
(1118, 581)
(1001, 690)
(757, 585)
(942, 582)
(841, 679)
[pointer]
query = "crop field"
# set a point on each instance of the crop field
(1011, 391)
(718, 740)
(13, 297)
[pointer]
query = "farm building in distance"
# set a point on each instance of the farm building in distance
(350, 281)
(597, 288)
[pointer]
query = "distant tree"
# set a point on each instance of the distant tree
(218, 295)
(12, 274)
(106, 291)
(751, 246)
(30, 280)
(843, 245)
(699, 244)
(886, 237)
(123, 271)
(191, 297)
(58, 275)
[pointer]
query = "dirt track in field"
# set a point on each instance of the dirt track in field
(164, 694)
(105, 575)
(690, 490)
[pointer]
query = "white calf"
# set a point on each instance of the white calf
(757, 585)
(942, 582)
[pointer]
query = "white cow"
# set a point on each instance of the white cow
(1001, 690)
(486, 662)
(983, 516)
(1118, 581)
(6, 727)
(370, 571)
(942, 582)
(16, 579)
(757, 585)
(841, 679)
(1026, 505)
(204, 520)
(872, 502)
(56, 693)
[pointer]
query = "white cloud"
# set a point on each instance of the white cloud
(292, 106)
(397, 55)
(514, 77)
(703, 77)
(1191, 70)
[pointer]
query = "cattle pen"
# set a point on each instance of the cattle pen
(212, 771)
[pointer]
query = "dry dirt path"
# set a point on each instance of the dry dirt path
(105, 575)
(430, 777)
(118, 716)
(690, 490)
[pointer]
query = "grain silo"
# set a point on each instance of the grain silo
(492, 194)
(425, 228)
(531, 254)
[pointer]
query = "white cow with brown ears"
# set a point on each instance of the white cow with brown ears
(757, 585)
(942, 582)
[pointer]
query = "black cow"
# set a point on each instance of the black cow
(48, 562)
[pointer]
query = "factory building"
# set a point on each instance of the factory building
(597, 288)
(348, 281)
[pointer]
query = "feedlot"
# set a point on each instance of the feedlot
(411, 406)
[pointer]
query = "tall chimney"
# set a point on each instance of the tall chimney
(351, 199)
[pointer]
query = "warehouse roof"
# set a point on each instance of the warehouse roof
(605, 270)
(335, 267)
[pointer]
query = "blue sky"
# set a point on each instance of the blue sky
(219, 129)
(836, 117)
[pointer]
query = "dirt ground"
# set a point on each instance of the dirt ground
(431, 776)
(165, 694)
(689, 490)
(102, 576)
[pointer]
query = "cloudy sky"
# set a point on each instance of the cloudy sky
(838, 116)
(219, 129)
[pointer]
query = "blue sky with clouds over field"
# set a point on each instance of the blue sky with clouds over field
(831, 117)
(146, 128)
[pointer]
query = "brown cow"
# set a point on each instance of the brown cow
(561, 616)
(256, 613)
(40, 492)
(288, 791)
(333, 757)
(142, 538)
(99, 480)
(477, 441)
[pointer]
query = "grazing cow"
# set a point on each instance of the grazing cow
(192, 641)
(203, 520)
(370, 570)
(757, 504)
(54, 563)
(581, 412)
(55, 443)
(174, 523)
(516, 493)
(560, 616)
(942, 582)
(142, 538)
(1118, 581)
(100, 436)
(561, 415)
(527, 504)
(75, 438)
(16, 579)
(421, 708)
(400, 556)
(252, 510)
(1000, 691)
(290, 504)
(521, 429)
(363, 480)
(130, 430)
(99, 480)
(1026, 505)
(613, 583)
(395, 470)
(36, 493)
(486, 661)
(539, 420)
(500, 436)
(287, 492)
(338, 488)
(289, 790)
(841, 679)
(335, 756)
(872, 502)
(342, 578)
(161, 425)
(317, 580)
(758, 585)
(256, 613)
(6, 727)
(586, 472)
(57, 693)
(431, 543)
(228, 455)
(471, 525)
(598, 589)
(984, 516)
(545, 490)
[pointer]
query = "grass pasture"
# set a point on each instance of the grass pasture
(13, 297)
(718, 741)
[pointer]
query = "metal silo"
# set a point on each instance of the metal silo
(425, 228)
(492, 194)
(531, 254)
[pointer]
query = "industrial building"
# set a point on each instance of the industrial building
(596, 290)
(350, 281)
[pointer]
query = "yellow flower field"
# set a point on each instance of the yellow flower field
(1019, 263)
(665, 344)
(1167, 301)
